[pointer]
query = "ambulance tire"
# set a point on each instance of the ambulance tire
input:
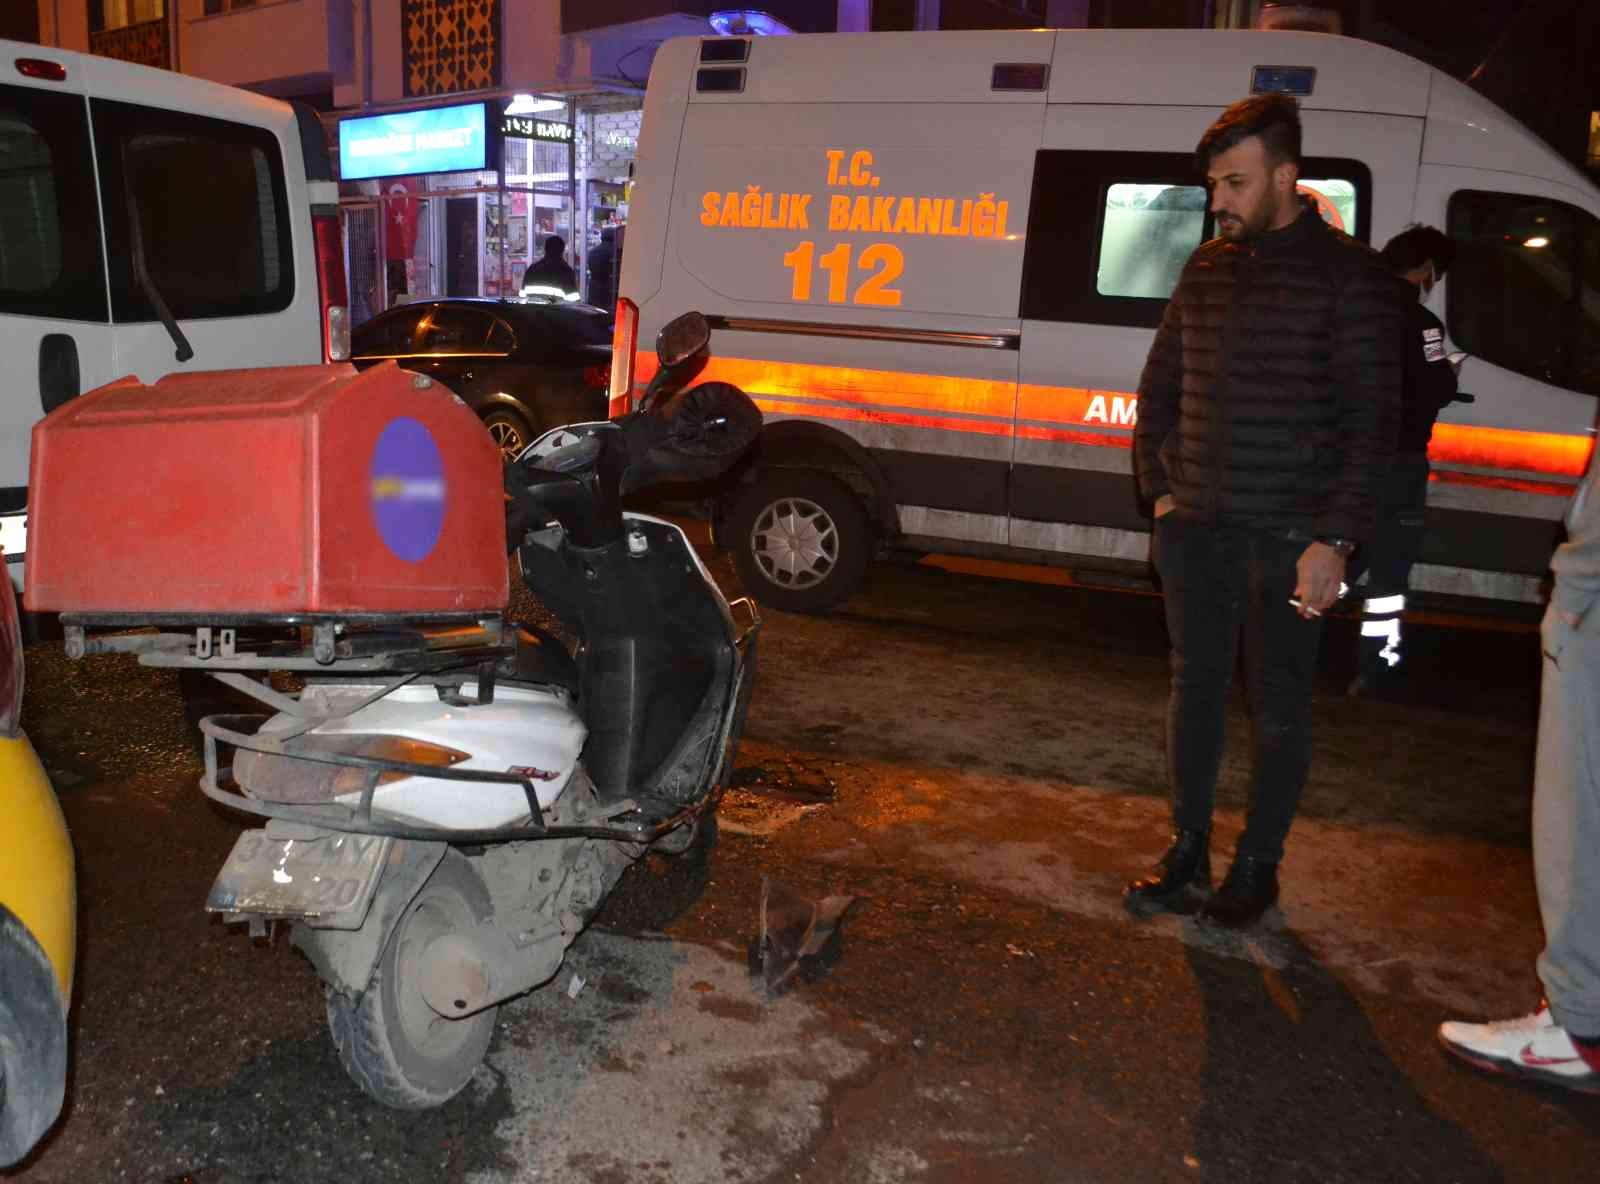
(801, 540)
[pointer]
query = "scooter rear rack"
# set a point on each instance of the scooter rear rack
(360, 643)
(630, 820)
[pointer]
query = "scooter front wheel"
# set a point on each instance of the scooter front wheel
(394, 1046)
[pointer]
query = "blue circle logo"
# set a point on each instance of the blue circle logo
(408, 489)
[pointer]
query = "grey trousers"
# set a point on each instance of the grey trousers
(1566, 821)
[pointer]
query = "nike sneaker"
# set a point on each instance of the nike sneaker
(1533, 1047)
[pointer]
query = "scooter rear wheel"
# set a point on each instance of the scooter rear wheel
(394, 1046)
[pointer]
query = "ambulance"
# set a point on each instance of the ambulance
(936, 261)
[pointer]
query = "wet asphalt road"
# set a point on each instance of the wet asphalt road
(979, 761)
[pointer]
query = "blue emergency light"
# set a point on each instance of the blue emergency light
(1283, 80)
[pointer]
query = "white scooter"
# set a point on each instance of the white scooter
(447, 808)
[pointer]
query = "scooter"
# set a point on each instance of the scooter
(447, 808)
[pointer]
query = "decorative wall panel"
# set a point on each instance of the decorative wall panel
(450, 45)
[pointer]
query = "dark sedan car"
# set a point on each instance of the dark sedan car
(524, 367)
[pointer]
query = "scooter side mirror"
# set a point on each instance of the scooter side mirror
(681, 338)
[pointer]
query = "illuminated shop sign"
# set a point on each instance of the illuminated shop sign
(440, 140)
(529, 127)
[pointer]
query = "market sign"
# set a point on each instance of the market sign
(439, 140)
(527, 127)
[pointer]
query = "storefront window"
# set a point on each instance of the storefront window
(475, 233)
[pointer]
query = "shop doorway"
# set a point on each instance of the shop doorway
(362, 264)
(461, 246)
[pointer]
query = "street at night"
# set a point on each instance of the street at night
(977, 759)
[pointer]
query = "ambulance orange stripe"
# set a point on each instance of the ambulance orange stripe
(810, 410)
(1550, 453)
(1514, 484)
(939, 402)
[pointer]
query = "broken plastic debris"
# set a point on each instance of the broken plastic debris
(574, 986)
(797, 936)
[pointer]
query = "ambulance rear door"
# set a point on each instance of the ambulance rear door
(1522, 300)
(850, 211)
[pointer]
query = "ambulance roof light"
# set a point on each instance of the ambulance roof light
(1299, 81)
(744, 22)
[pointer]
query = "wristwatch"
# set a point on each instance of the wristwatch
(1345, 547)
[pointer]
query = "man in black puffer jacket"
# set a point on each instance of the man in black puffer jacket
(1267, 416)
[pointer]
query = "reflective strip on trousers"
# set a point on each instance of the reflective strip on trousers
(1381, 618)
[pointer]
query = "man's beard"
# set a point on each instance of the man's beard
(1241, 230)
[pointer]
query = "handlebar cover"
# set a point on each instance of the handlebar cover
(695, 436)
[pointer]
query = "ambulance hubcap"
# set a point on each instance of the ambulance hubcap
(795, 543)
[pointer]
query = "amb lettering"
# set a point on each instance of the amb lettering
(1118, 411)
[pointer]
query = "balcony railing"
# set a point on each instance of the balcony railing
(144, 44)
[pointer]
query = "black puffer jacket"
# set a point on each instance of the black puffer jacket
(1272, 392)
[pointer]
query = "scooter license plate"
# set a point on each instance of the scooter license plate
(329, 879)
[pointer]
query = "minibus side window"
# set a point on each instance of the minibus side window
(212, 208)
(1524, 291)
(50, 259)
(1148, 234)
(1109, 232)
(1089, 257)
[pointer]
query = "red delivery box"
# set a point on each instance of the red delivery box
(282, 492)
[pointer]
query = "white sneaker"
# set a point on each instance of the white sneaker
(1533, 1047)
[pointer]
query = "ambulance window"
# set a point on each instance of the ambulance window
(1109, 232)
(1148, 234)
(50, 261)
(1524, 291)
(220, 247)
(1337, 200)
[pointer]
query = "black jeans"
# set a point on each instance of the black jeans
(1221, 581)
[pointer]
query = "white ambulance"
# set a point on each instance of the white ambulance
(151, 222)
(937, 260)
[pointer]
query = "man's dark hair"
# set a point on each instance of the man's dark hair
(1275, 118)
(1417, 245)
(554, 245)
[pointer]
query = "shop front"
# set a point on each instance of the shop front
(607, 139)
(454, 200)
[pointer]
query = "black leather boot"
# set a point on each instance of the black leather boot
(1176, 880)
(1249, 891)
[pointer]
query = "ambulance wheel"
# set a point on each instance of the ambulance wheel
(508, 430)
(394, 1046)
(801, 540)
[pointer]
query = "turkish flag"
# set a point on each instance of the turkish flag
(399, 221)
